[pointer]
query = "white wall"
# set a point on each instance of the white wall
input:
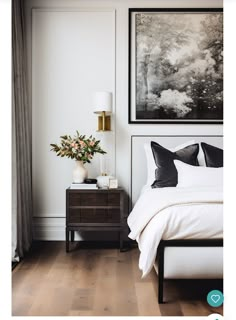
(79, 47)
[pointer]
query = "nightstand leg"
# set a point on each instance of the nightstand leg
(67, 240)
(121, 241)
(72, 236)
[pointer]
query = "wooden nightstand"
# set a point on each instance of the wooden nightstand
(95, 210)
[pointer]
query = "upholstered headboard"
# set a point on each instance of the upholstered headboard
(138, 157)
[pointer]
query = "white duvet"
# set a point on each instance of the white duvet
(174, 213)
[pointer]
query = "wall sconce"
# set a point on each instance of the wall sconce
(103, 107)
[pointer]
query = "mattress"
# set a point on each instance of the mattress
(192, 263)
(174, 213)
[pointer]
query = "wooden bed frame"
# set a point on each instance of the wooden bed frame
(178, 243)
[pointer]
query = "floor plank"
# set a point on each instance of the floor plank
(125, 295)
(102, 281)
(147, 300)
(104, 301)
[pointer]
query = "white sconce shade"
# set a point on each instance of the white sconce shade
(102, 102)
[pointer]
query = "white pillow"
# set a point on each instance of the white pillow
(194, 176)
(151, 165)
(201, 157)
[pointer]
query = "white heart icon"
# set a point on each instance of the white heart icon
(215, 298)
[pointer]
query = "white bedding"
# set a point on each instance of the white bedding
(174, 213)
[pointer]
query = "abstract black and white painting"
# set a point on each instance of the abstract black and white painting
(176, 66)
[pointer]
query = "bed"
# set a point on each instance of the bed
(179, 230)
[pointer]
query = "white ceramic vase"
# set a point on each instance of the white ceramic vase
(80, 172)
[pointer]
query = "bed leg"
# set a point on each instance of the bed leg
(160, 291)
(160, 274)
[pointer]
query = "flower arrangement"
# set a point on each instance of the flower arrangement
(79, 147)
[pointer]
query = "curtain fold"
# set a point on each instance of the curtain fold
(21, 139)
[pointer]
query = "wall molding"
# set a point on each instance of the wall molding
(49, 199)
(49, 228)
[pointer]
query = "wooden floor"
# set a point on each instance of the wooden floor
(99, 282)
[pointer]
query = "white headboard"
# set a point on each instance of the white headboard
(138, 157)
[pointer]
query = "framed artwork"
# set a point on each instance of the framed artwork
(175, 65)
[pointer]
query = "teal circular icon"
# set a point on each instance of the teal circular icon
(215, 298)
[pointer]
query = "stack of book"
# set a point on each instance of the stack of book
(83, 186)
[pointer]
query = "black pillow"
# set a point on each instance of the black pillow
(166, 173)
(213, 155)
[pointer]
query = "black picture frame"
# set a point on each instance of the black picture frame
(132, 74)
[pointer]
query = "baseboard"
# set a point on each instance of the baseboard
(53, 229)
(49, 228)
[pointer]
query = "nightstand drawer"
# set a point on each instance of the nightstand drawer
(74, 216)
(93, 199)
(113, 215)
(74, 199)
(113, 199)
(88, 199)
(93, 215)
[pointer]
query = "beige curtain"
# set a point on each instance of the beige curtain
(21, 139)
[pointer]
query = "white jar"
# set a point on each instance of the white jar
(103, 181)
